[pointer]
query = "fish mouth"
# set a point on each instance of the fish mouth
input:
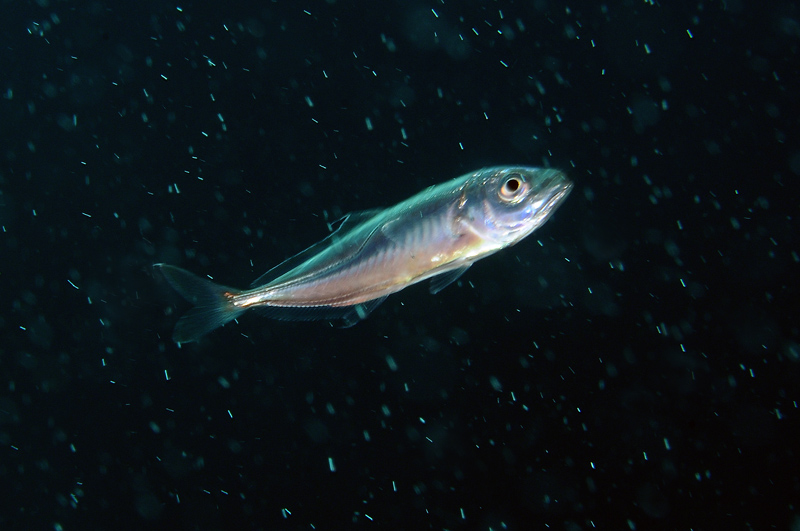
(559, 193)
(558, 188)
(550, 189)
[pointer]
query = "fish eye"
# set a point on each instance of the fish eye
(513, 184)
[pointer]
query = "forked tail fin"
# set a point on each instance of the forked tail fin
(213, 304)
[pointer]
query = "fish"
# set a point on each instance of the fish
(436, 234)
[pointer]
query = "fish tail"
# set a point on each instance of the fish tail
(213, 304)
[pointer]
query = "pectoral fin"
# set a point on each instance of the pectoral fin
(439, 282)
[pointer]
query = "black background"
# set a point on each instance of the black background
(633, 365)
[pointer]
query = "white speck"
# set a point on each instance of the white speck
(166, 374)
(666, 444)
(73, 285)
(286, 513)
(391, 363)
(331, 465)
(689, 33)
(369, 123)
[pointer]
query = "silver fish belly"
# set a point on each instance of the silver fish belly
(438, 233)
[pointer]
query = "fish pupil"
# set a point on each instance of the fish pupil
(511, 186)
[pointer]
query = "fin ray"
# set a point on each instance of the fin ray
(346, 224)
(213, 306)
(349, 314)
(442, 280)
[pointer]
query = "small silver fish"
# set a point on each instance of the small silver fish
(440, 233)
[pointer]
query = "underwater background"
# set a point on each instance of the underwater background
(632, 365)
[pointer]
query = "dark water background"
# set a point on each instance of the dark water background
(633, 365)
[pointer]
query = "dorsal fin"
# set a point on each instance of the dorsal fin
(346, 224)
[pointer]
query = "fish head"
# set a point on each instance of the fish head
(507, 203)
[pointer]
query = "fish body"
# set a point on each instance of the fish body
(438, 233)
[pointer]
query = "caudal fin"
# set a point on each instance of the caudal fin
(213, 304)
